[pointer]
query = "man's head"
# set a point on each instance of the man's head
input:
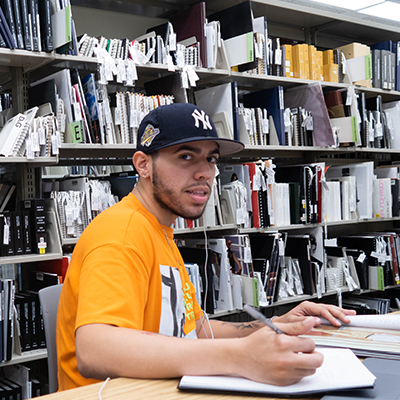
(177, 151)
(180, 123)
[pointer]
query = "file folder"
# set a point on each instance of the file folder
(237, 26)
(189, 23)
(272, 100)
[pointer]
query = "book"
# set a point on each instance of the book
(11, 133)
(18, 24)
(371, 335)
(33, 8)
(46, 31)
(7, 6)
(341, 369)
(25, 24)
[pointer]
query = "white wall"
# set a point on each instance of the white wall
(111, 24)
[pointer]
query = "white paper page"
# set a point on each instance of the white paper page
(341, 369)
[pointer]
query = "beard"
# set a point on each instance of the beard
(167, 199)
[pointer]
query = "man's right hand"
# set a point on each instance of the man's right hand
(279, 359)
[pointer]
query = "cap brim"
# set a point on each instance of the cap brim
(226, 146)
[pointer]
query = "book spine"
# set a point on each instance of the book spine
(45, 25)
(18, 25)
(25, 24)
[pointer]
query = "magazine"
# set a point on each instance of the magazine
(366, 335)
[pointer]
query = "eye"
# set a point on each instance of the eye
(186, 157)
(212, 159)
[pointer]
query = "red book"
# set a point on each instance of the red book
(58, 267)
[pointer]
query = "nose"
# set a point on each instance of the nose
(205, 170)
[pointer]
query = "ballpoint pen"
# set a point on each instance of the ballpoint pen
(257, 315)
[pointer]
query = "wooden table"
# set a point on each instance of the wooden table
(149, 389)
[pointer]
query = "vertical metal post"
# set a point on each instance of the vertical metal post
(19, 87)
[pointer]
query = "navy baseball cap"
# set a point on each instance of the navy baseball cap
(178, 123)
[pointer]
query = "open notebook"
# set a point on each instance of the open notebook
(341, 369)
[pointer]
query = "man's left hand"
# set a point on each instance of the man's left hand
(335, 315)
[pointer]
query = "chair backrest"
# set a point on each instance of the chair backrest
(49, 298)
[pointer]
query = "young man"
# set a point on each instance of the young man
(127, 307)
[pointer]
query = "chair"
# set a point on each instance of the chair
(49, 298)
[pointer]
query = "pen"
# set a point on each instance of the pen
(257, 315)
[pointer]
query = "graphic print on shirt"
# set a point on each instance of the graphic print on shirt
(173, 308)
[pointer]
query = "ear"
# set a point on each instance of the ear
(142, 161)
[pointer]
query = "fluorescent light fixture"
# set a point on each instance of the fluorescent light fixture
(349, 4)
(387, 10)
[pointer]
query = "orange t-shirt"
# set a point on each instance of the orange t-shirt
(123, 272)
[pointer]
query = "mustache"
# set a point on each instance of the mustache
(197, 185)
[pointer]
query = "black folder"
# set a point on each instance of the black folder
(234, 21)
(261, 249)
(272, 100)
(45, 92)
(191, 22)
(299, 247)
(168, 85)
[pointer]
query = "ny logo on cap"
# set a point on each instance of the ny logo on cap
(201, 116)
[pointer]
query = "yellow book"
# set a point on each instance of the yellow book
(328, 57)
(296, 60)
(306, 70)
(300, 61)
(320, 66)
(313, 63)
(289, 60)
(331, 73)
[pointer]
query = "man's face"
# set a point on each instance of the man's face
(183, 176)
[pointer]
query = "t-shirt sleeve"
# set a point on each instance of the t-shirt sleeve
(113, 288)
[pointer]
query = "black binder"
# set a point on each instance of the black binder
(33, 8)
(24, 316)
(5, 31)
(46, 31)
(299, 247)
(234, 21)
(18, 233)
(38, 222)
(19, 31)
(6, 218)
(25, 24)
(7, 6)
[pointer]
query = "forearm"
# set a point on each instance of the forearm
(108, 351)
(224, 329)
(104, 350)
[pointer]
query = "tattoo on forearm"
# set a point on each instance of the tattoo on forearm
(244, 325)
